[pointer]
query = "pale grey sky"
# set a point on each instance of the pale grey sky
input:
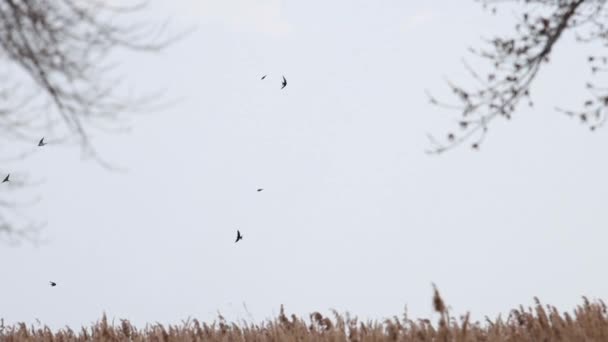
(354, 216)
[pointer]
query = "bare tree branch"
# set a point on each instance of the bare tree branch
(56, 75)
(516, 61)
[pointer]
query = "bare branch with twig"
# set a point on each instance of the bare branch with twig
(516, 61)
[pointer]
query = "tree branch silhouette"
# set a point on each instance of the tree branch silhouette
(55, 73)
(515, 62)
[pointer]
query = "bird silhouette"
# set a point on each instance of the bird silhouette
(238, 236)
(263, 77)
(41, 142)
(6, 178)
(53, 283)
(284, 83)
(260, 190)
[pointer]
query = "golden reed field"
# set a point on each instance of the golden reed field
(588, 322)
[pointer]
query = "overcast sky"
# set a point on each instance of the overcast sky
(354, 215)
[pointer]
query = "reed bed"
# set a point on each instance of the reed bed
(588, 322)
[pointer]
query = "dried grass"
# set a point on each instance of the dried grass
(588, 322)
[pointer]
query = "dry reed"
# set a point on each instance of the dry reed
(588, 322)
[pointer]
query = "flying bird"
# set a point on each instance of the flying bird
(263, 77)
(6, 178)
(53, 284)
(284, 83)
(238, 236)
(260, 190)
(41, 142)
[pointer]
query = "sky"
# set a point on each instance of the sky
(354, 215)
